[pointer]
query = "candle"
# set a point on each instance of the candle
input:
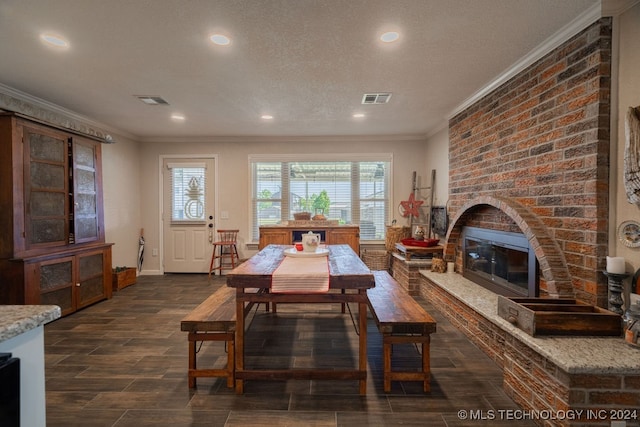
(615, 265)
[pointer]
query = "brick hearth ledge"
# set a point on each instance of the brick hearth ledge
(540, 373)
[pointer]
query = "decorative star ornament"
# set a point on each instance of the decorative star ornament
(411, 206)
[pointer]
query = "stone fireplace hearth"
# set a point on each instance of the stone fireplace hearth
(581, 375)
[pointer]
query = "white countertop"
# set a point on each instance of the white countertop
(588, 355)
(18, 319)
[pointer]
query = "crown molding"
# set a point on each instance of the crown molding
(444, 125)
(583, 20)
(46, 112)
(276, 139)
(617, 7)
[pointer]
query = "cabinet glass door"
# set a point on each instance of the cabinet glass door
(56, 284)
(46, 188)
(85, 195)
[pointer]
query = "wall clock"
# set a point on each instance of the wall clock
(629, 233)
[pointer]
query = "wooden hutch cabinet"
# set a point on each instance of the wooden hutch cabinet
(52, 244)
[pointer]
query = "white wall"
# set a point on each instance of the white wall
(122, 190)
(437, 157)
(628, 95)
(233, 176)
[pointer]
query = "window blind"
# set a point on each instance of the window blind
(350, 191)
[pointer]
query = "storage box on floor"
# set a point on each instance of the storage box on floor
(123, 277)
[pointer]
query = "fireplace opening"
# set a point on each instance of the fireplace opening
(500, 261)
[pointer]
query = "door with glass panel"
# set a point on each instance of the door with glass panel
(188, 219)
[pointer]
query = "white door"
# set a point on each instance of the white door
(188, 214)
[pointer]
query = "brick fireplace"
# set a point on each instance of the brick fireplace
(533, 157)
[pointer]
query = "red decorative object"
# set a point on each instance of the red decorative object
(410, 207)
(426, 243)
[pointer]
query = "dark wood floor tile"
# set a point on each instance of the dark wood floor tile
(278, 387)
(89, 385)
(483, 419)
(140, 351)
(65, 371)
(123, 362)
(100, 360)
(281, 418)
(168, 361)
(404, 403)
(316, 402)
(441, 362)
(386, 419)
(70, 401)
(337, 388)
(123, 372)
(62, 417)
(52, 359)
(175, 418)
(140, 400)
(74, 343)
(246, 402)
(153, 385)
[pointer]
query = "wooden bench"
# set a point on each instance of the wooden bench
(214, 320)
(400, 319)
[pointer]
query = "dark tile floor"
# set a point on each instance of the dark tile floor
(123, 362)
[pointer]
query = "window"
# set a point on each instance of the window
(350, 191)
(187, 192)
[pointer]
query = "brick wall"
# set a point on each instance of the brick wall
(407, 273)
(542, 140)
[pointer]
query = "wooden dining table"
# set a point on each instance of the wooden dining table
(349, 279)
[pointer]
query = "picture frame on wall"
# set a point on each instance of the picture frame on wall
(439, 220)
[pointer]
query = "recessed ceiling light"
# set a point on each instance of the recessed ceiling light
(220, 39)
(54, 40)
(177, 117)
(358, 115)
(266, 117)
(389, 36)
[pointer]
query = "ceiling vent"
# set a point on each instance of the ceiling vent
(376, 98)
(152, 100)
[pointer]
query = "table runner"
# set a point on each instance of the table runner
(301, 275)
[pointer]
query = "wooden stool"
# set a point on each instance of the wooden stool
(225, 251)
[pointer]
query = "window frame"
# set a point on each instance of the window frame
(172, 166)
(316, 157)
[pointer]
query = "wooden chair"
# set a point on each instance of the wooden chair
(225, 251)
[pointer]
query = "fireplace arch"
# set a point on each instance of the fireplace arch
(553, 267)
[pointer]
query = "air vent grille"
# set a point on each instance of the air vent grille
(376, 98)
(152, 100)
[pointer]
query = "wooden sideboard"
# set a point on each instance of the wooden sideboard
(330, 234)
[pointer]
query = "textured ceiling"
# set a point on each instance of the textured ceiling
(306, 62)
